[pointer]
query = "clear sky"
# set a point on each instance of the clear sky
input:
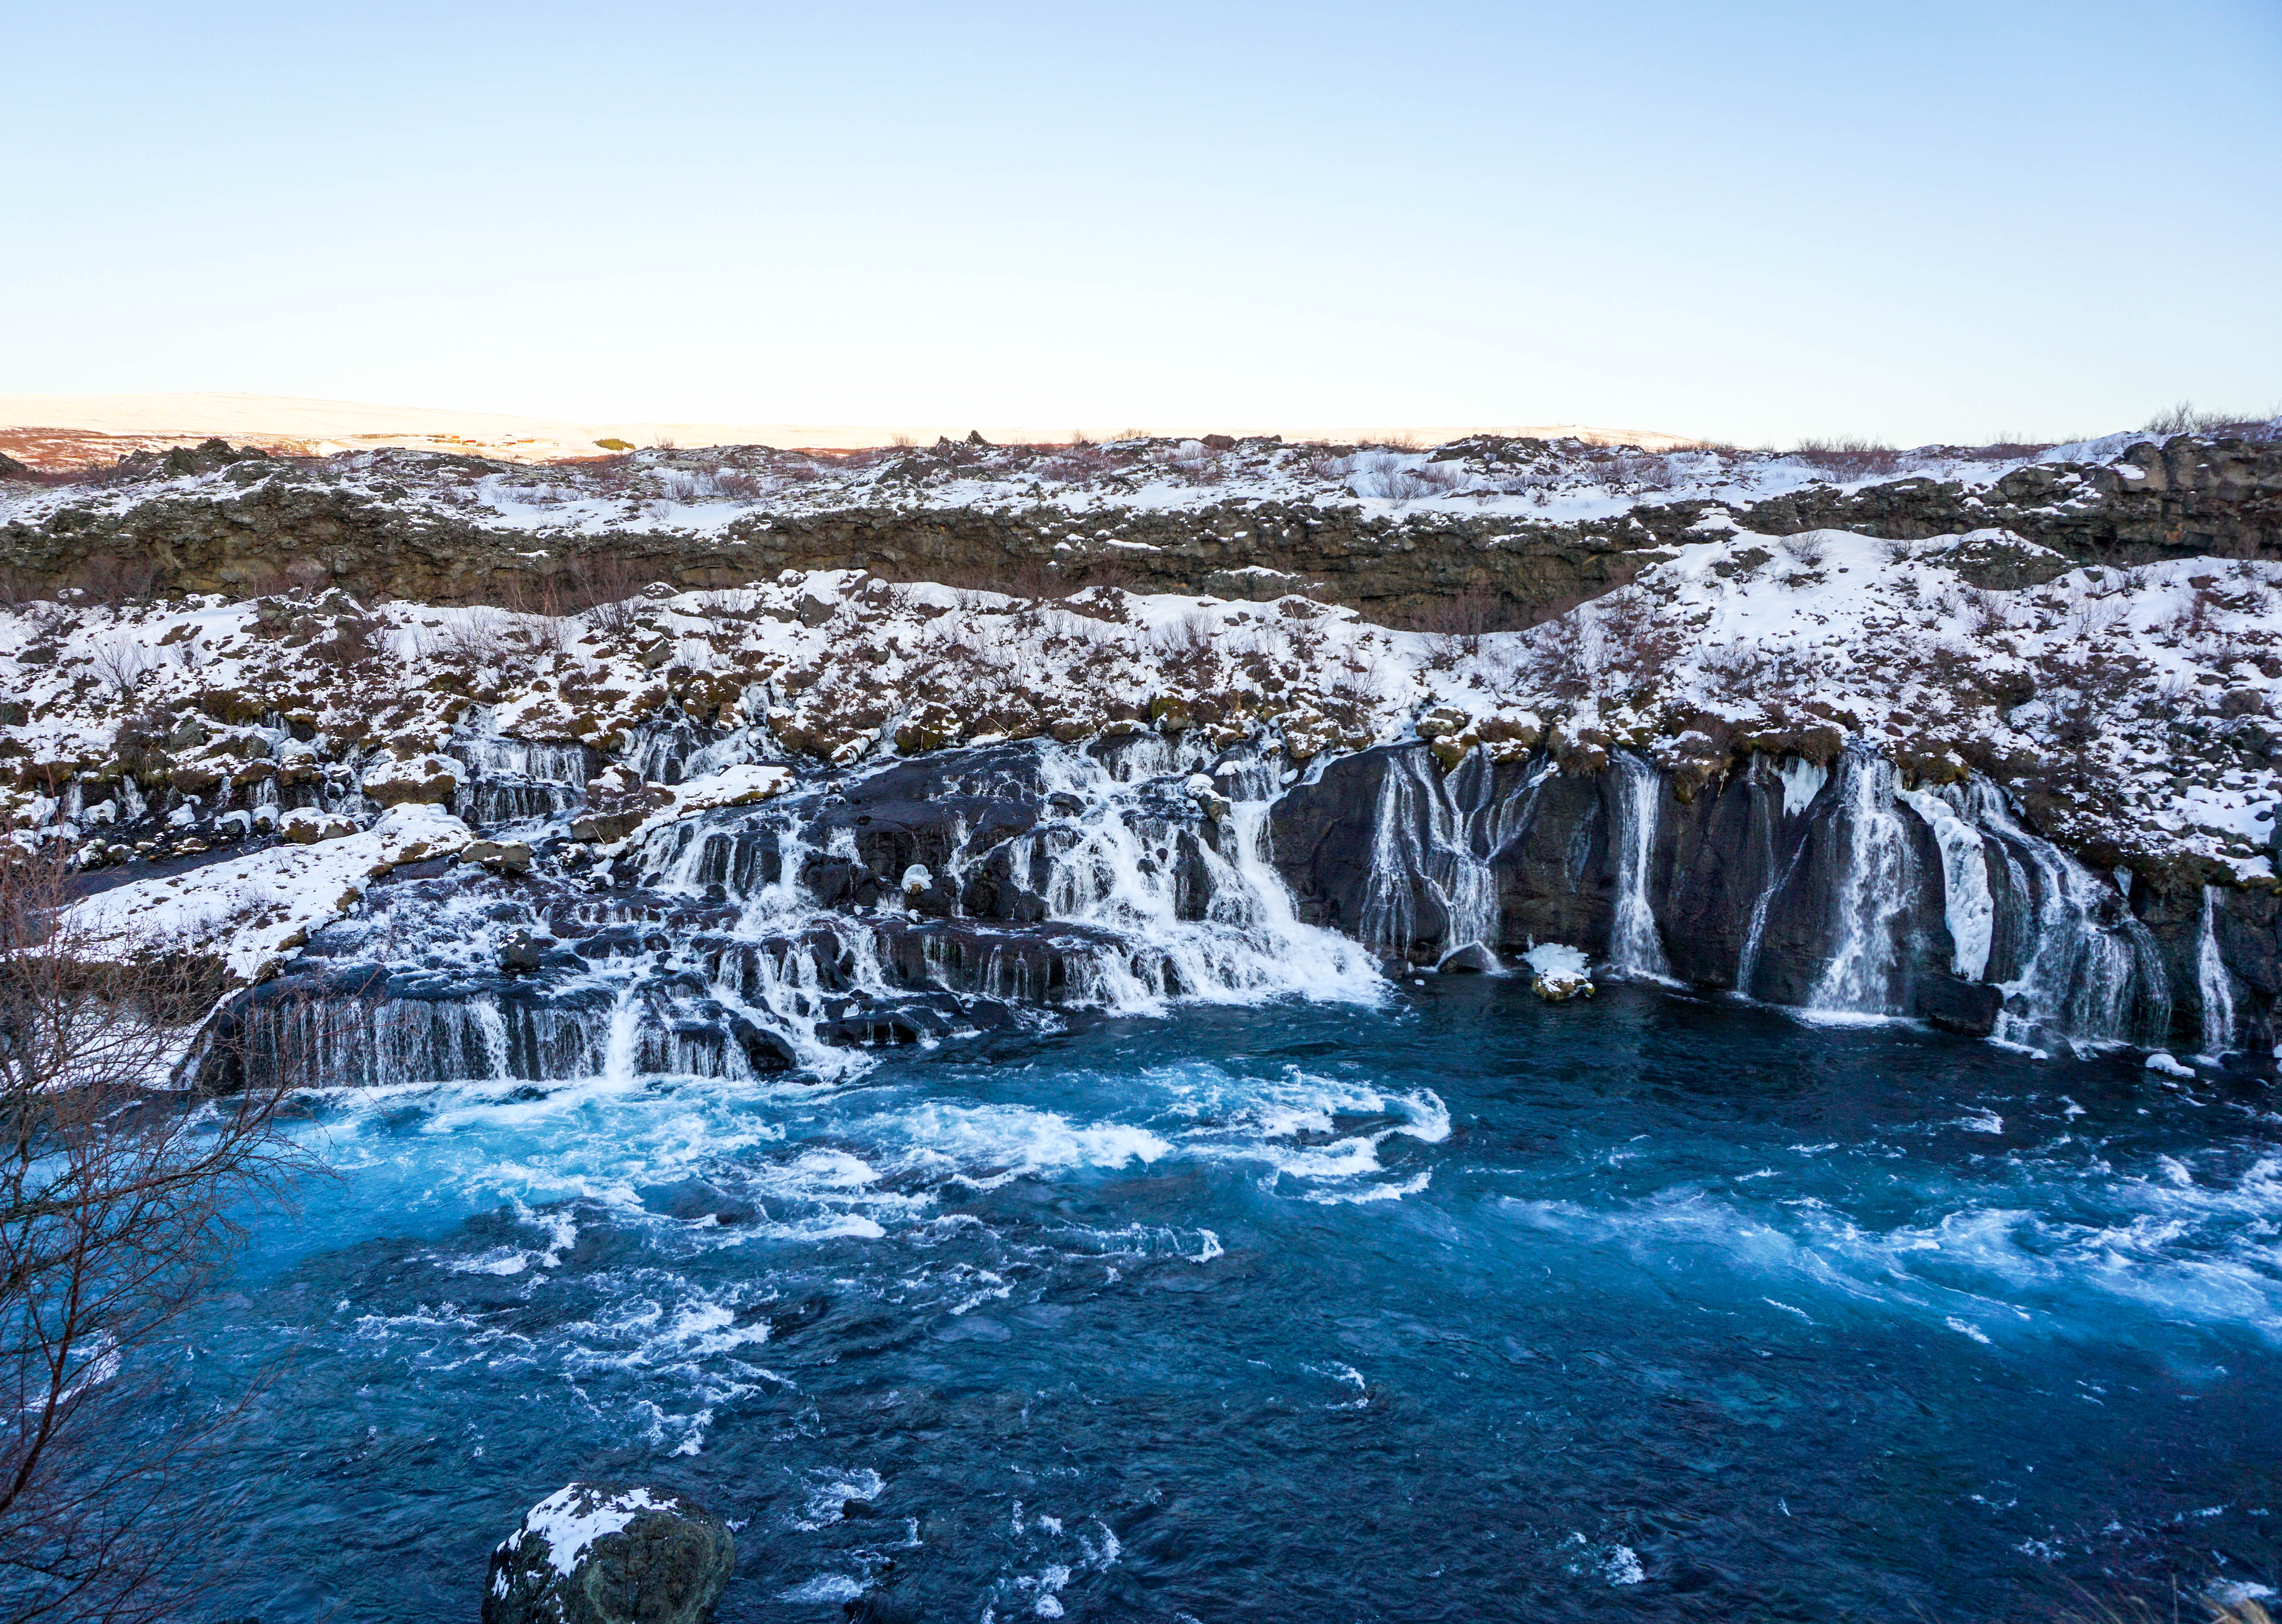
(1920, 220)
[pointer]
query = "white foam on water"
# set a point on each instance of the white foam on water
(1412, 1185)
(830, 1488)
(823, 1587)
(985, 1146)
(1290, 1123)
(2200, 1251)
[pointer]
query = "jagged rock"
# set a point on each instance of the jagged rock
(603, 828)
(815, 608)
(430, 780)
(507, 856)
(1171, 713)
(1953, 1004)
(1441, 719)
(590, 1554)
(10, 469)
(307, 825)
(522, 953)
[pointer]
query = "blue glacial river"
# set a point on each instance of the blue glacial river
(1462, 1307)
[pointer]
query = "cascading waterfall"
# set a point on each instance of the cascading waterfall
(2090, 971)
(515, 780)
(2215, 991)
(1103, 884)
(1193, 923)
(1421, 838)
(1968, 905)
(1859, 978)
(1636, 948)
(1793, 803)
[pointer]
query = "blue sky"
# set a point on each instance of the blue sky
(1756, 221)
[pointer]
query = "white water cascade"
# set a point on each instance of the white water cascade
(1968, 905)
(2217, 992)
(1188, 921)
(1635, 948)
(1799, 782)
(1859, 978)
(1421, 838)
(2085, 969)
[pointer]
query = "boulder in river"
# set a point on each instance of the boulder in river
(591, 1553)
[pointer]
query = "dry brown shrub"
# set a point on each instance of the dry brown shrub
(1848, 457)
(118, 1209)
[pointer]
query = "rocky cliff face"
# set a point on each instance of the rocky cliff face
(1007, 885)
(1527, 528)
(1821, 769)
(1830, 888)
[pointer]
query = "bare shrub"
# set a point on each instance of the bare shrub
(2185, 418)
(115, 578)
(477, 636)
(1457, 622)
(1848, 457)
(1734, 669)
(603, 585)
(1565, 658)
(1188, 638)
(1805, 548)
(122, 663)
(1637, 638)
(1641, 470)
(1199, 462)
(117, 1212)
(1988, 611)
(352, 644)
(1389, 476)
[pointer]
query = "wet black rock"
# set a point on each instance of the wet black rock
(1955, 1004)
(596, 1554)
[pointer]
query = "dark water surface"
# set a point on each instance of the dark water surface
(1467, 1307)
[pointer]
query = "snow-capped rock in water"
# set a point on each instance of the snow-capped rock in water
(1558, 973)
(756, 828)
(590, 1554)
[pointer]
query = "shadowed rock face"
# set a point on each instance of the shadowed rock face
(975, 890)
(2185, 497)
(1783, 882)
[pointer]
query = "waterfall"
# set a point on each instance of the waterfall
(1967, 904)
(512, 780)
(1792, 783)
(1190, 921)
(1873, 894)
(1421, 838)
(2216, 992)
(1635, 946)
(2089, 972)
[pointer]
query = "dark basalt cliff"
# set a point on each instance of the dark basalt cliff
(2188, 496)
(980, 888)
(1822, 890)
